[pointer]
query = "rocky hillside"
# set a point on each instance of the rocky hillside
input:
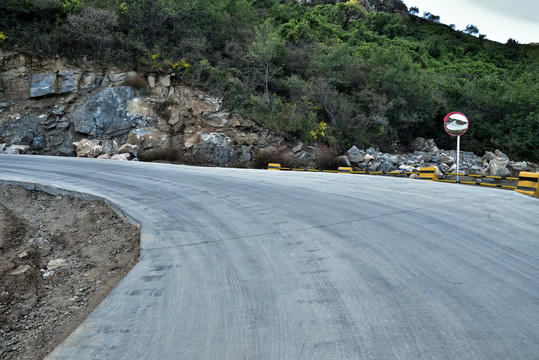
(46, 106)
(49, 107)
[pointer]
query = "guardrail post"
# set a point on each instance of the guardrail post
(528, 184)
(274, 166)
(428, 173)
(347, 170)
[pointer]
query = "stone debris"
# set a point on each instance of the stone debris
(87, 148)
(56, 264)
(130, 149)
(491, 164)
(21, 270)
(124, 157)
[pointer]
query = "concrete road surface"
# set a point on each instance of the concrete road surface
(255, 264)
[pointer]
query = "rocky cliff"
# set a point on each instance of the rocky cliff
(47, 105)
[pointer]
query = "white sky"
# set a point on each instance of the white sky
(499, 20)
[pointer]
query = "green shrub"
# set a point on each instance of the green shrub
(325, 157)
(272, 155)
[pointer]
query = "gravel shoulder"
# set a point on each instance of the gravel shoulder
(59, 258)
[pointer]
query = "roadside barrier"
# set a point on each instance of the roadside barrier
(480, 183)
(428, 173)
(528, 182)
(342, 170)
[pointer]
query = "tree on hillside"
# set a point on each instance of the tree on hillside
(471, 29)
(94, 28)
(261, 55)
(349, 11)
(431, 17)
(414, 10)
(150, 17)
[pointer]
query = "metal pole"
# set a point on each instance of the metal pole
(458, 156)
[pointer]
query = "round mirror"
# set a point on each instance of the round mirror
(455, 124)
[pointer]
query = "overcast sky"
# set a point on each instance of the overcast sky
(499, 20)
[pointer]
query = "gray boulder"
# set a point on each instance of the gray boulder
(387, 166)
(43, 84)
(421, 144)
(148, 139)
(393, 159)
(16, 149)
(219, 149)
(448, 159)
(105, 115)
(216, 148)
(130, 149)
(519, 166)
(343, 161)
(87, 148)
(68, 81)
(123, 157)
(20, 131)
(354, 155)
(498, 167)
(501, 154)
(489, 156)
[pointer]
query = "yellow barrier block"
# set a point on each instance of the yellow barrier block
(274, 166)
(528, 184)
(428, 173)
(345, 170)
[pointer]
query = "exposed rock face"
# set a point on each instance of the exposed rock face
(219, 149)
(107, 114)
(49, 106)
(43, 84)
(148, 139)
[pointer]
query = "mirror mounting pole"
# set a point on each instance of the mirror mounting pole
(458, 157)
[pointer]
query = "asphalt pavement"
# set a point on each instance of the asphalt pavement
(257, 264)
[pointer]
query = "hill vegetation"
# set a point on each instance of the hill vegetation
(365, 73)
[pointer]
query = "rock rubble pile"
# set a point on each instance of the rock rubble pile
(426, 154)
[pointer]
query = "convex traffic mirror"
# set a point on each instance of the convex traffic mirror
(455, 124)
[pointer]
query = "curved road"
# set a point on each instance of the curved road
(249, 264)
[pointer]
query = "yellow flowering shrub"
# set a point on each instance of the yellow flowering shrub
(320, 130)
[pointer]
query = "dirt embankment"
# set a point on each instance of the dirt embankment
(59, 257)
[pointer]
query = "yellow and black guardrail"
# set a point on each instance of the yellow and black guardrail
(480, 183)
(428, 173)
(528, 182)
(342, 170)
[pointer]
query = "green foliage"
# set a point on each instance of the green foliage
(371, 72)
(71, 6)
